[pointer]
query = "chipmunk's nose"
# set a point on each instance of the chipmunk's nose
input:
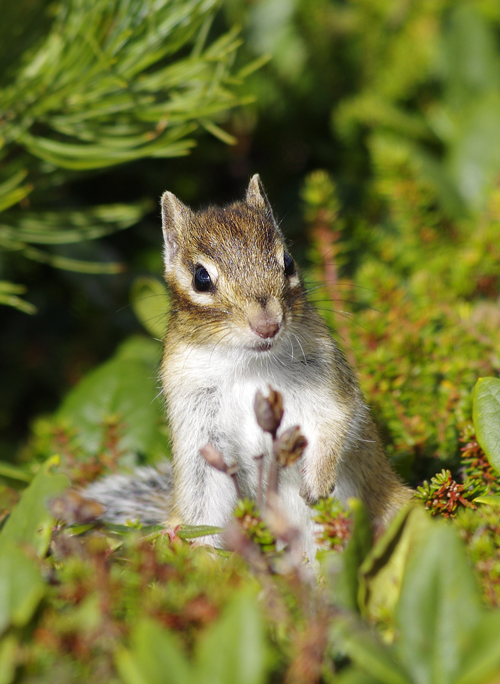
(265, 327)
(265, 320)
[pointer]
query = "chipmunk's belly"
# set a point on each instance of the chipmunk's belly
(305, 407)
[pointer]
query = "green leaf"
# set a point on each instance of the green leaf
(67, 264)
(150, 303)
(125, 387)
(9, 296)
(439, 609)
(486, 417)
(31, 522)
(155, 657)
(490, 500)
(381, 573)
(194, 531)
(14, 473)
(21, 586)
(482, 662)
(343, 582)
(233, 650)
(8, 658)
(369, 653)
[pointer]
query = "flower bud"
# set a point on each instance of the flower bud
(289, 446)
(269, 410)
(213, 458)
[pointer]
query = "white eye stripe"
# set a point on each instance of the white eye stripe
(208, 265)
(185, 277)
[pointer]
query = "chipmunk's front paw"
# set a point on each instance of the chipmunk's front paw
(308, 496)
(314, 488)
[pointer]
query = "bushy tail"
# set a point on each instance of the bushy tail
(145, 495)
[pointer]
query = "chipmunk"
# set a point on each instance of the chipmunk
(239, 322)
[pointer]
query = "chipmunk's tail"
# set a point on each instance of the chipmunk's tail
(145, 495)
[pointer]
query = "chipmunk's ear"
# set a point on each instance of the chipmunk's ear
(256, 196)
(175, 217)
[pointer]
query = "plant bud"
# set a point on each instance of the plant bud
(289, 446)
(213, 458)
(269, 410)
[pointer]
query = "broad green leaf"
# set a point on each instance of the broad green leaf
(8, 658)
(21, 585)
(381, 573)
(31, 522)
(233, 650)
(150, 303)
(124, 387)
(155, 657)
(369, 653)
(439, 609)
(482, 661)
(128, 669)
(140, 348)
(344, 584)
(486, 416)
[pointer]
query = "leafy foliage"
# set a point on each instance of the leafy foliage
(112, 418)
(401, 227)
(486, 413)
(443, 496)
(477, 468)
(136, 83)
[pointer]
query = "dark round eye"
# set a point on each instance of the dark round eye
(289, 265)
(202, 281)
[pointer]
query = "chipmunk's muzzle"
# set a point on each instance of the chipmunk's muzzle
(265, 319)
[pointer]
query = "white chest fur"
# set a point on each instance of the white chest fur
(210, 398)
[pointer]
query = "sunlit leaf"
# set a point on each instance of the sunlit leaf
(369, 653)
(343, 570)
(125, 387)
(155, 657)
(381, 574)
(21, 585)
(233, 650)
(8, 658)
(31, 522)
(486, 416)
(439, 609)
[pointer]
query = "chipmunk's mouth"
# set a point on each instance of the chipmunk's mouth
(264, 346)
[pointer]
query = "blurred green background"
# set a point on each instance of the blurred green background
(375, 127)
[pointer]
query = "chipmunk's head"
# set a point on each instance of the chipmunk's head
(231, 278)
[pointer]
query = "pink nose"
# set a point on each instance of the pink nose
(265, 328)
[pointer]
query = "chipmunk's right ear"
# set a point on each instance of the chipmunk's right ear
(175, 217)
(256, 196)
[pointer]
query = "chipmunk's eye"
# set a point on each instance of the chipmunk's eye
(289, 265)
(202, 280)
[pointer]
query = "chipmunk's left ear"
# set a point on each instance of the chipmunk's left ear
(175, 221)
(256, 196)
